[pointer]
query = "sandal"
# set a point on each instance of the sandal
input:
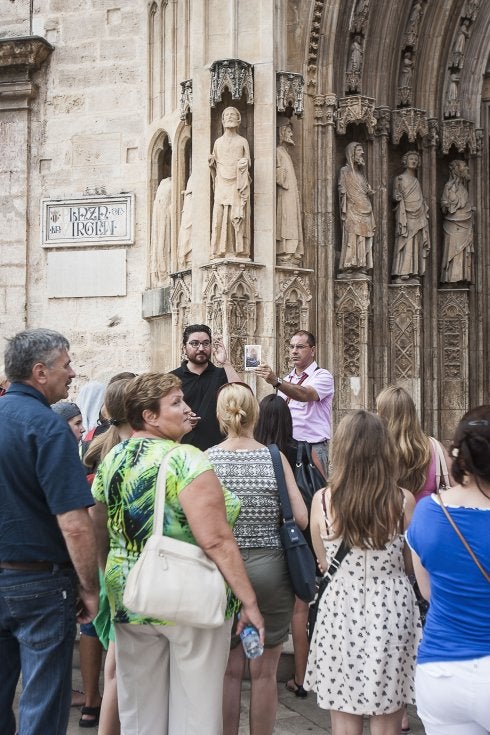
(93, 713)
(293, 686)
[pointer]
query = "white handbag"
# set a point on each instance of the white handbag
(174, 580)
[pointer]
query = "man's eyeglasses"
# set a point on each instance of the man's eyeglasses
(195, 343)
(298, 347)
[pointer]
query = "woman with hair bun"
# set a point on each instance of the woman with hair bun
(453, 667)
(244, 466)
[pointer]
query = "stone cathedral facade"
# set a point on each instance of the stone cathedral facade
(260, 166)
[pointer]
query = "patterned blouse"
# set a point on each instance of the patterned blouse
(125, 482)
(249, 474)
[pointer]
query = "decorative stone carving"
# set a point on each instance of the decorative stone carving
(29, 52)
(290, 92)
(452, 353)
(471, 9)
(184, 245)
(406, 74)
(292, 312)
(356, 109)
(413, 25)
(289, 230)
(161, 238)
(230, 162)
(404, 321)
(412, 243)
(230, 298)
(352, 304)
(356, 213)
(185, 99)
(457, 54)
(458, 133)
(433, 135)
(452, 107)
(234, 74)
(324, 109)
(457, 258)
(180, 302)
(410, 121)
(354, 66)
(383, 121)
(314, 42)
(360, 16)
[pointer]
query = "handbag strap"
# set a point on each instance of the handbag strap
(284, 501)
(159, 508)
(462, 538)
(441, 464)
(342, 552)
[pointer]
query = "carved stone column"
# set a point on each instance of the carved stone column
(19, 58)
(381, 262)
(477, 305)
(351, 369)
(405, 310)
(180, 307)
(452, 355)
(324, 122)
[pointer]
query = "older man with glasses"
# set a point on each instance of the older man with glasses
(201, 380)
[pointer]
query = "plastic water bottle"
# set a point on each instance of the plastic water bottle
(251, 642)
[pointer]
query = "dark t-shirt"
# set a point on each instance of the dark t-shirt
(41, 476)
(200, 395)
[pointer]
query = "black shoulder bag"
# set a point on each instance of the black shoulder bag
(300, 560)
(342, 552)
(308, 477)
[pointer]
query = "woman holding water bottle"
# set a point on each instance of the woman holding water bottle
(244, 466)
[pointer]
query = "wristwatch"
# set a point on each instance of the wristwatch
(277, 383)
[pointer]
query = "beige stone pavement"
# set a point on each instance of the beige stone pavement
(294, 717)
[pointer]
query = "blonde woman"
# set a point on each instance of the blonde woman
(362, 654)
(415, 451)
(244, 466)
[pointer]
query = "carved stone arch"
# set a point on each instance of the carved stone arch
(160, 156)
(181, 168)
(154, 60)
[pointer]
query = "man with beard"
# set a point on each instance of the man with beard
(200, 382)
(48, 561)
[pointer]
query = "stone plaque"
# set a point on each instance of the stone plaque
(85, 273)
(98, 220)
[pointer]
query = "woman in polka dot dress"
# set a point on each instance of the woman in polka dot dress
(362, 655)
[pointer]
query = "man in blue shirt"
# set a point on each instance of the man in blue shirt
(48, 564)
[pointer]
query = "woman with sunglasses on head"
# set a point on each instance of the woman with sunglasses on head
(244, 466)
(453, 667)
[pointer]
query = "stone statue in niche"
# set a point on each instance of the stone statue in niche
(160, 238)
(406, 74)
(230, 162)
(459, 45)
(356, 213)
(412, 243)
(413, 24)
(452, 99)
(354, 65)
(457, 255)
(289, 230)
(184, 245)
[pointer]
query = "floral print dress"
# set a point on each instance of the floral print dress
(362, 655)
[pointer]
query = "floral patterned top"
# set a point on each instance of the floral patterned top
(125, 482)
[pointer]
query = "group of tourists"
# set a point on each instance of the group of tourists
(389, 543)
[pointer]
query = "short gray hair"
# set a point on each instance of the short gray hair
(27, 348)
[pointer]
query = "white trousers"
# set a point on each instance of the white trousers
(453, 697)
(170, 678)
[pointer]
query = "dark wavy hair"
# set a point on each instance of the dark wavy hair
(195, 328)
(470, 448)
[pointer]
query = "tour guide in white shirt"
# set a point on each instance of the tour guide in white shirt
(309, 391)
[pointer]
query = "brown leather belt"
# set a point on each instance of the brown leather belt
(35, 566)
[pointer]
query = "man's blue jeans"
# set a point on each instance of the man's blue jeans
(37, 632)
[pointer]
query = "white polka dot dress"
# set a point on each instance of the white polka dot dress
(362, 655)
